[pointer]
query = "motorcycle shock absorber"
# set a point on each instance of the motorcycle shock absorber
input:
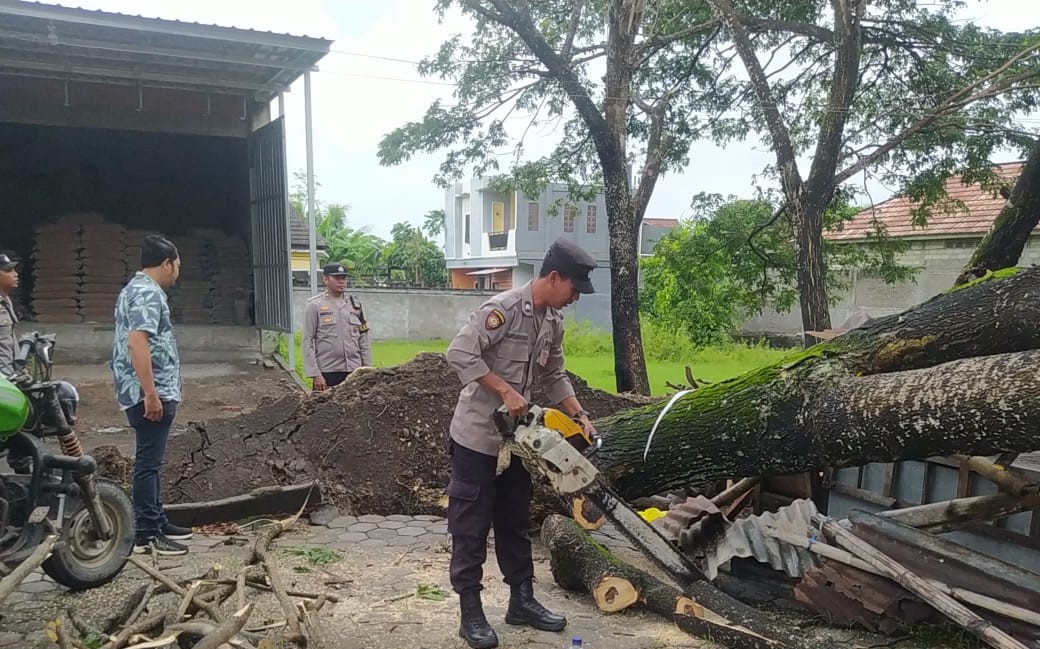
(71, 446)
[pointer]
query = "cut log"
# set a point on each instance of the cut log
(930, 381)
(579, 563)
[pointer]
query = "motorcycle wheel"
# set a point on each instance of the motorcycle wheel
(82, 560)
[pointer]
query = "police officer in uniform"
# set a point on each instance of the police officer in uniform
(8, 318)
(335, 332)
(512, 343)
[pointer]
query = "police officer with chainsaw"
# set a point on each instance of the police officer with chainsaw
(511, 344)
(335, 332)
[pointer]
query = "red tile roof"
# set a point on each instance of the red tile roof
(980, 209)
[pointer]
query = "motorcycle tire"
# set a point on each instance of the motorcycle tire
(82, 561)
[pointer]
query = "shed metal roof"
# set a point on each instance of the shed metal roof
(49, 41)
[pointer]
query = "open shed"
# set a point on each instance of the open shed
(113, 126)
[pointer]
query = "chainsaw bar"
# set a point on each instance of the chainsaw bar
(646, 538)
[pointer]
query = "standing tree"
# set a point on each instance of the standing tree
(542, 58)
(709, 275)
(903, 87)
(433, 223)
(421, 259)
(1004, 243)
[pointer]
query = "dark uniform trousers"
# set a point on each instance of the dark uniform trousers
(332, 379)
(478, 500)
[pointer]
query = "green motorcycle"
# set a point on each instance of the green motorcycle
(45, 491)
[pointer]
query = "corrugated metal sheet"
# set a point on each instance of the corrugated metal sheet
(268, 195)
(53, 42)
(69, 8)
(749, 537)
(914, 482)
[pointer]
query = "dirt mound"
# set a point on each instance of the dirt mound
(377, 442)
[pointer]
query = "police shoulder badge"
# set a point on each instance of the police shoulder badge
(494, 320)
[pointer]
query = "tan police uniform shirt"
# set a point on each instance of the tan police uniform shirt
(332, 338)
(505, 336)
(8, 343)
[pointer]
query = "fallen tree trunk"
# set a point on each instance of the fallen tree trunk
(579, 563)
(934, 380)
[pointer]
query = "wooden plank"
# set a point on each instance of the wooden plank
(954, 564)
(1008, 481)
(963, 480)
(864, 495)
(889, 479)
(954, 514)
(942, 602)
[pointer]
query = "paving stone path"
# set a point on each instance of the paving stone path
(383, 561)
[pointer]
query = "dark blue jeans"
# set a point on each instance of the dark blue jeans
(151, 450)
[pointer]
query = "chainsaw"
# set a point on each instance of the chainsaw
(558, 448)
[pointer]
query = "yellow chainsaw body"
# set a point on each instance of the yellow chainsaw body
(552, 444)
(569, 429)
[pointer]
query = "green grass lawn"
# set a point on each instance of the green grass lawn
(711, 364)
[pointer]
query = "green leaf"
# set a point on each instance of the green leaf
(314, 555)
(425, 591)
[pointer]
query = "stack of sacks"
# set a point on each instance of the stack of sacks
(104, 270)
(57, 269)
(190, 298)
(132, 250)
(233, 282)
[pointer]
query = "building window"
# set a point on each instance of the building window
(569, 215)
(466, 230)
(532, 217)
(590, 220)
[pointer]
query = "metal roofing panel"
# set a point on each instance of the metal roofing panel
(50, 41)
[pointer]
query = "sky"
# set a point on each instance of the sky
(358, 96)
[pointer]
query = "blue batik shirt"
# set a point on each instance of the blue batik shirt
(142, 306)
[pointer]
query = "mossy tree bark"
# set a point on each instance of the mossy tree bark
(1003, 245)
(956, 374)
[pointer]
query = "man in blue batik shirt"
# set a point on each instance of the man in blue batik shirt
(147, 373)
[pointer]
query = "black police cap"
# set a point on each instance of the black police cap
(572, 262)
(334, 269)
(6, 263)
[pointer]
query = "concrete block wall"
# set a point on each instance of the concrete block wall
(87, 343)
(939, 268)
(438, 314)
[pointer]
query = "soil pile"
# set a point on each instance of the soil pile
(377, 442)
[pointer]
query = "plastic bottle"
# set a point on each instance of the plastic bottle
(576, 643)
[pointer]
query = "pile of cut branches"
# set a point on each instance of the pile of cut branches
(210, 611)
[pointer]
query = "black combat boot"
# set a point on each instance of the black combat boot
(525, 609)
(475, 629)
